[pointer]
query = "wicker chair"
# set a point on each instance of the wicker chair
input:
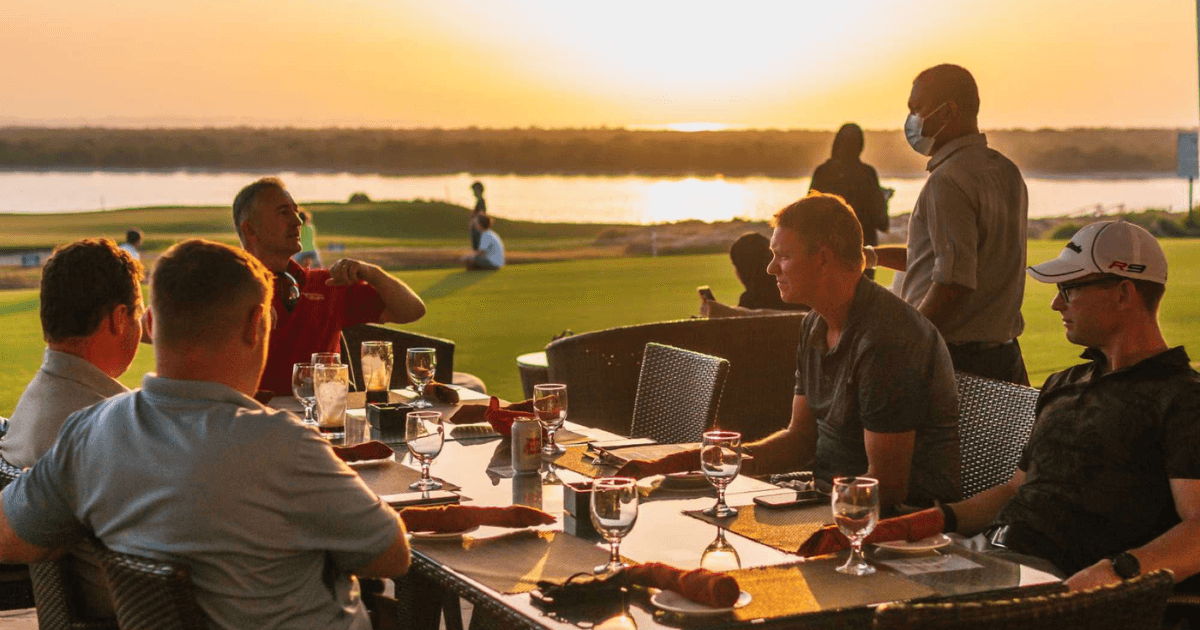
(678, 394)
(16, 588)
(402, 340)
(601, 368)
(150, 594)
(59, 603)
(995, 420)
(1132, 605)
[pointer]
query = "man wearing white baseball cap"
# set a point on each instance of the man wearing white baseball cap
(1108, 485)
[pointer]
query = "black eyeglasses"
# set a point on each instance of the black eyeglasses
(288, 290)
(1064, 288)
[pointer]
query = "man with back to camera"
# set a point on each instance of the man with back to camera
(875, 392)
(311, 306)
(271, 523)
(1108, 485)
(91, 310)
(965, 260)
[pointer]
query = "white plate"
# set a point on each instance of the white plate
(671, 601)
(937, 541)
(441, 535)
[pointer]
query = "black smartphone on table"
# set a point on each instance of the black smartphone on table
(791, 499)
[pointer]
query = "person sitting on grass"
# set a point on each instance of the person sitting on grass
(91, 311)
(133, 243)
(750, 253)
(489, 256)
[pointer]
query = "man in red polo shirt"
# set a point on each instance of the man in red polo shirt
(311, 306)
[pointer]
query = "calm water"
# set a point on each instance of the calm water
(542, 198)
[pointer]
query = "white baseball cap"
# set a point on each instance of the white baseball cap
(1113, 247)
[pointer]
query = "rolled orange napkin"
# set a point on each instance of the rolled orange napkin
(442, 392)
(910, 527)
(682, 461)
(363, 452)
(456, 518)
(702, 586)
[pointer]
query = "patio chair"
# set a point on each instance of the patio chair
(995, 420)
(59, 602)
(150, 594)
(402, 340)
(1136, 604)
(16, 587)
(678, 394)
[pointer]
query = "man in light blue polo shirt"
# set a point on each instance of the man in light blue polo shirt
(191, 469)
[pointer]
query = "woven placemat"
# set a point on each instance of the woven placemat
(783, 529)
(815, 586)
(513, 563)
(576, 459)
(392, 477)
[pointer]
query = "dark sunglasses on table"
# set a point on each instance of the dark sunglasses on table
(1065, 288)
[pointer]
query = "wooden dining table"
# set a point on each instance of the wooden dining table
(496, 569)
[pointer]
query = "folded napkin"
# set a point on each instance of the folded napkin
(682, 461)
(456, 518)
(501, 419)
(442, 392)
(469, 431)
(911, 528)
(719, 590)
(363, 452)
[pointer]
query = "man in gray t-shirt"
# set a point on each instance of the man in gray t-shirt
(191, 469)
(965, 259)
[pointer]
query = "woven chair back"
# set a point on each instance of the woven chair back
(16, 589)
(1136, 604)
(602, 369)
(995, 420)
(8, 473)
(59, 600)
(402, 340)
(150, 594)
(678, 394)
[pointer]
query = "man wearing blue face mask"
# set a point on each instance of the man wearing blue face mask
(965, 258)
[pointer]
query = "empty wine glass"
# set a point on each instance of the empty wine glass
(421, 364)
(720, 461)
(719, 555)
(614, 511)
(424, 435)
(856, 511)
(550, 407)
(302, 389)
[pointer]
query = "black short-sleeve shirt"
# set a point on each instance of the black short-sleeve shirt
(1100, 457)
(890, 372)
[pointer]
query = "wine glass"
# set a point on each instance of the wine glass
(326, 358)
(550, 407)
(719, 555)
(421, 364)
(856, 511)
(720, 461)
(614, 511)
(424, 435)
(331, 383)
(302, 389)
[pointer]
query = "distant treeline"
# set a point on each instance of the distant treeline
(776, 153)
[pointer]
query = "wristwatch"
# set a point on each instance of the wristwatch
(1126, 565)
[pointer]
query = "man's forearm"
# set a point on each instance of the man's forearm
(401, 304)
(1178, 549)
(941, 302)
(779, 452)
(976, 513)
(892, 257)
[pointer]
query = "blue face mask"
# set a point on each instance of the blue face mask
(914, 127)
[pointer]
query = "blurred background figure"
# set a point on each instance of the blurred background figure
(846, 175)
(489, 255)
(480, 211)
(309, 256)
(750, 253)
(133, 243)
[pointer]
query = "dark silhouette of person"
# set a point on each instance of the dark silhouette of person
(480, 209)
(845, 174)
(751, 253)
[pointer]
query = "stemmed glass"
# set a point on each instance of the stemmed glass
(720, 461)
(302, 389)
(326, 358)
(614, 511)
(550, 407)
(424, 435)
(421, 364)
(856, 511)
(719, 555)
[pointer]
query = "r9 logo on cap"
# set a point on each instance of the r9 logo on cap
(1123, 266)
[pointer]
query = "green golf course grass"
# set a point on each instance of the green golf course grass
(493, 317)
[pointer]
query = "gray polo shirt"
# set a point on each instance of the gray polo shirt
(968, 229)
(268, 518)
(890, 372)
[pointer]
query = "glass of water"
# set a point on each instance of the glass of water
(614, 511)
(719, 555)
(856, 512)
(331, 383)
(326, 358)
(302, 389)
(720, 461)
(550, 407)
(421, 365)
(424, 435)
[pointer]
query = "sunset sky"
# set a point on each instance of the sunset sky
(552, 63)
